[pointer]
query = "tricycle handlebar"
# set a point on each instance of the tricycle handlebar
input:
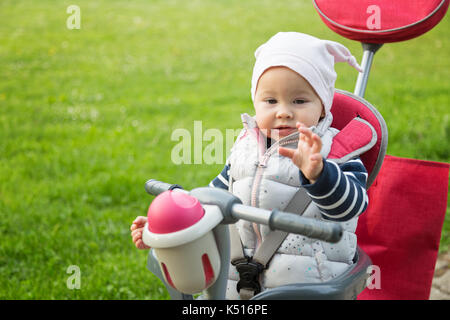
(156, 187)
(290, 222)
(276, 220)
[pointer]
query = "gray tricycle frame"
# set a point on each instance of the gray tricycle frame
(346, 286)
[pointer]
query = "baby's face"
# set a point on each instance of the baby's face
(282, 99)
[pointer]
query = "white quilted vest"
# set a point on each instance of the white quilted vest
(262, 178)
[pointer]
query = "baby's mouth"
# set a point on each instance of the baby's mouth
(284, 130)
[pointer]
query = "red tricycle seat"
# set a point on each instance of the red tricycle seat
(345, 108)
(381, 21)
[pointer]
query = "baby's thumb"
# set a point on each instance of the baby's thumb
(286, 152)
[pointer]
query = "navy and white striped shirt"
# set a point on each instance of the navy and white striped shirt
(339, 192)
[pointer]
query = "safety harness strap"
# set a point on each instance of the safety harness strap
(250, 268)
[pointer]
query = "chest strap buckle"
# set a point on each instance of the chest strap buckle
(249, 272)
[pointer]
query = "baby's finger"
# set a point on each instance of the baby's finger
(141, 245)
(317, 143)
(299, 125)
(139, 222)
(140, 219)
(302, 137)
(138, 244)
(286, 152)
(137, 237)
(307, 134)
(306, 131)
(136, 234)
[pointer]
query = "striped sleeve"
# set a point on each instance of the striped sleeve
(221, 181)
(340, 191)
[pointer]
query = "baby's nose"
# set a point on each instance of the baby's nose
(284, 112)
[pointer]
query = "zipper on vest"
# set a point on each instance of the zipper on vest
(262, 164)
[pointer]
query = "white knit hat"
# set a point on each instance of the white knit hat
(310, 57)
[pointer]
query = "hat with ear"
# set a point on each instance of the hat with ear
(310, 57)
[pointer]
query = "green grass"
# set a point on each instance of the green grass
(86, 118)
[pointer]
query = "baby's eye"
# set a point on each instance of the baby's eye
(271, 101)
(299, 101)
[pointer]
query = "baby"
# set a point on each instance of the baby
(292, 92)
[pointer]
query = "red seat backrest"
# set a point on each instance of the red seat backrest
(346, 106)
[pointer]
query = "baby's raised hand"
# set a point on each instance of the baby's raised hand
(136, 232)
(307, 156)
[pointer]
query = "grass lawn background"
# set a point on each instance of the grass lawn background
(86, 117)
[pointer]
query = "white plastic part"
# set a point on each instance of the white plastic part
(192, 267)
